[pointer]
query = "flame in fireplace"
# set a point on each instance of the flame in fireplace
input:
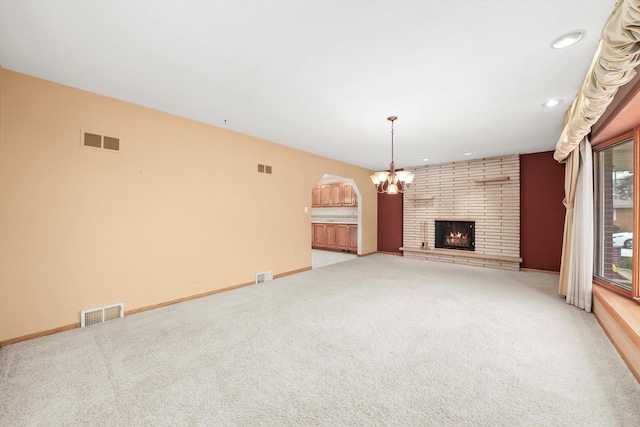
(457, 238)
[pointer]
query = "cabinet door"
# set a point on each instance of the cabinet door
(349, 197)
(342, 236)
(336, 195)
(325, 195)
(319, 235)
(353, 238)
(330, 236)
(315, 196)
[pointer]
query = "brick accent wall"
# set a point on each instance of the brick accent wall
(450, 191)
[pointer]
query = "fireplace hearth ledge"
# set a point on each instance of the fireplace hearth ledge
(465, 254)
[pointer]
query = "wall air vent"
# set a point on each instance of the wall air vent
(111, 143)
(101, 314)
(94, 140)
(264, 277)
(265, 169)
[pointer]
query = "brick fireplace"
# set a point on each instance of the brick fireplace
(485, 191)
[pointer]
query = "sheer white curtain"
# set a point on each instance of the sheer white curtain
(580, 262)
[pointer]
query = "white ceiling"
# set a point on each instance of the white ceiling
(323, 76)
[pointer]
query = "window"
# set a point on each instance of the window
(614, 184)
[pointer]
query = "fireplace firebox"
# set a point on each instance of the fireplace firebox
(455, 235)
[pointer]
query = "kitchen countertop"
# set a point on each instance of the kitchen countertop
(350, 221)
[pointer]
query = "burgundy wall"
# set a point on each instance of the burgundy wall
(389, 222)
(541, 211)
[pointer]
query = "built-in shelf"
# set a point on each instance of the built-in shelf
(420, 198)
(465, 254)
(489, 179)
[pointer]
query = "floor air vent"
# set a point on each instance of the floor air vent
(264, 276)
(101, 314)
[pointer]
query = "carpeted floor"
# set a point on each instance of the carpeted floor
(380, 340)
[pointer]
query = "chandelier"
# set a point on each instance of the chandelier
(392, 182)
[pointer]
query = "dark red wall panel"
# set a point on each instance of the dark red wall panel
(541, 211)
(389, 222)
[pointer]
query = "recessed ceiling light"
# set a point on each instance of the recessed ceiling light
(425, 159)
(552, 103)
(467, 153)
(568, 39)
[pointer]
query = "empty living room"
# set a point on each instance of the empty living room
(466, 169)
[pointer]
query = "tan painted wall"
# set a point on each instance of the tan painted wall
(181, 210)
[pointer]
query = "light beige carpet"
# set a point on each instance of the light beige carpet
(380, 340)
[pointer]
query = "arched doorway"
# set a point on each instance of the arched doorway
(336, 212)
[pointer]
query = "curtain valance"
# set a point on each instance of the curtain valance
(612, 66)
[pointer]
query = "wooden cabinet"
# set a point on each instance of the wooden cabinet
(315, 197)
(319, 235)
(347, 237)
(325, 195)
(342, 237)
(330, 242)
(336, 195)
(352, 245)
(349, 197)
(332, 195)
(324, 236)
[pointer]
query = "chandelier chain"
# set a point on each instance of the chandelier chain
(392, 140)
